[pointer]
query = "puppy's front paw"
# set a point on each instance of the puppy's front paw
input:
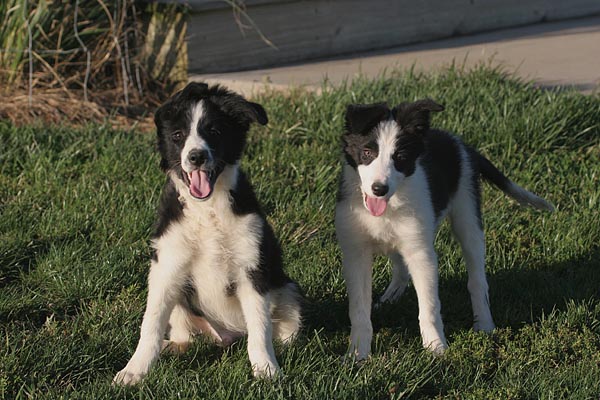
(354, 354)
(266, 370)
(437, 346)
(360, 343)
(352, 357)
(127, 377)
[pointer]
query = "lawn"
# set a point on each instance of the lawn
(77, 207)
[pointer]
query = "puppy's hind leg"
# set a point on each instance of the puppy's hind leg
(465, 219)
(286, 315)
(400, 278)
(180, 331)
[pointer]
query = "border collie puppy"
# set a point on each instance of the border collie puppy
(399, 181)
(217, 266)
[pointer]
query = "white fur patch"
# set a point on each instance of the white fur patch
(193, 140)
(381, 169)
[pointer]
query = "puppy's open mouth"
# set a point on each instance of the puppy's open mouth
(200, 182)
(375, 205)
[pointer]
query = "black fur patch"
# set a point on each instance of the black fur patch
(354, 146)
(442, 164)
(489, 172)
(170, 209)
(414, 117)
(413, 120)
(362, 118)
(231, 288)
(269, 272)
(475, 181)
(360, 122)
(409, 147)
(244, 200)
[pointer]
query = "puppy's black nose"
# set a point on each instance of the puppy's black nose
(197, 157)
(379, 189)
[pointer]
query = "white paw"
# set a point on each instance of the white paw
(360, 342)
(266, 370)
(358, 350)
(437, 346)
(434, 340)
(355, 356)
(126, 378)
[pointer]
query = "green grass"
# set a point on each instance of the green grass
(77, 205)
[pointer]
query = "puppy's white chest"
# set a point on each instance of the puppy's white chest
(384, 231)
(223, 247)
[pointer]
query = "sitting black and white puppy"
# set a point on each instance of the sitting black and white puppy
(399, 181)
(217, 265)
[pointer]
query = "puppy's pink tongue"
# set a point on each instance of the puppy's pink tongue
(376, 205)
(199, 184)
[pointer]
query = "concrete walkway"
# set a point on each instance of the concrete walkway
(565, 53)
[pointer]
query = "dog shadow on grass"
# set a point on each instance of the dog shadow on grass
(518, 296)
(19, 260)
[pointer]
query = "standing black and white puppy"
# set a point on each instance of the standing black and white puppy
(399, 181)
(217, 266)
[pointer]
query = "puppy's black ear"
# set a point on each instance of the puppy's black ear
(244, 111)
(428, 105)
(193, 91)
(415, 116)
(361, 118)
(258, 113)
(163, 112)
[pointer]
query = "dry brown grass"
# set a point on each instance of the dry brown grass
(86, 63)
(55, 106)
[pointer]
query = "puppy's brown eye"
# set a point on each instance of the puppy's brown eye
(367, 155)
(214, 131)
(176, 136)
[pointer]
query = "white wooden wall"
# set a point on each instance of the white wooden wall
(311, 29)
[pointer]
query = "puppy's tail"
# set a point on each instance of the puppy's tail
(525, 198)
